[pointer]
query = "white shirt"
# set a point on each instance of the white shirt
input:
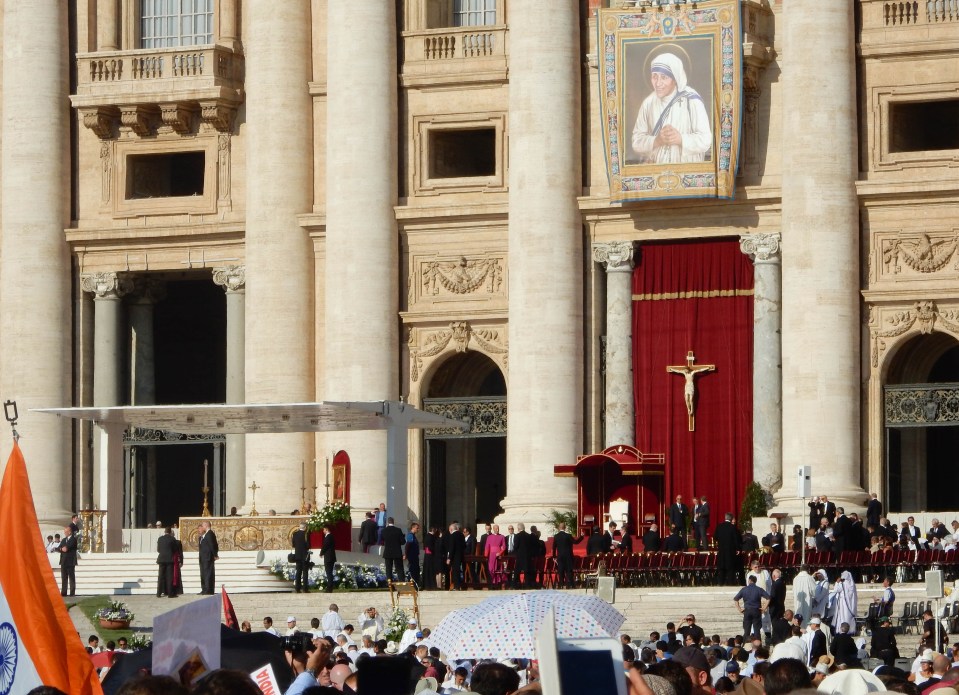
(272, 631)
(292, 630)
(408, 638)
(332, 624)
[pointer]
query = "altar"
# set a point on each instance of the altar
(243, 532)
(620, 484)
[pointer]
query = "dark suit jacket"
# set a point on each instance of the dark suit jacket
(209, 548)
(873, 512)
(840, 532)
(883, 643)
(166, 546)
(455, 548)
(829, 511)
(594, 545)
(626, 543)
(68, 558)
(652, 542)
(328, 551)
(481, 547)
(607, 541)
(368, 532)
(674, 543)
(678, 516)
(703, 511)
(393, 540)
(844, 649)
(469, 545)
(774, 541)
(301, 546)
(523, 550)
(817, 648)
(823, 544)
(728, 541)
(749, 543)
(563, 546)
(777, 594)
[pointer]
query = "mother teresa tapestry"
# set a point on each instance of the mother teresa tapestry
(670, 85)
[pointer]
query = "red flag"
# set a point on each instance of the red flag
(229, 615)
(38, 642)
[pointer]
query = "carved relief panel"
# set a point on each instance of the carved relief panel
(914, 256)
(426, 344)
(889, 325)
(436, 280)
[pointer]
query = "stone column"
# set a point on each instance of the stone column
(233, 280)
(361, 334)
(767, 359)
(227, 34)
(107, 25)
(820, 272)
(35, 286)
(108, 290)
(279, 255)
(545, 391)
(617, 257)
(142, 350)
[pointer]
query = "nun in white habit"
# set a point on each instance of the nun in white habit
(844, 602)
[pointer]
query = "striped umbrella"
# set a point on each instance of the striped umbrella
(504, 627)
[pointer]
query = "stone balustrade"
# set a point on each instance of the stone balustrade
(890, 24)
(476, 49)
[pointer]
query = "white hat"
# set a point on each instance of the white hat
(852, 682)
(927, 656)
(815, 621)
(291, 619)
(787, 650)
(391, 648)
(411, 621)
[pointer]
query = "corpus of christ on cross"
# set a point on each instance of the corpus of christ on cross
(690, 370)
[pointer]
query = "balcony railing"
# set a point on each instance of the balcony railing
(455, 50)
(905, 13)
(183, 68)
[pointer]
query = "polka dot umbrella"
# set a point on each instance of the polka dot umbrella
(505, 627)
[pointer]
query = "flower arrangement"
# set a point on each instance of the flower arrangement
(396, 625)
(358, 576)
(116, 612)
(140, 640)
(332, 513)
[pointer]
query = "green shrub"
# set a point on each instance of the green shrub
(754, 504)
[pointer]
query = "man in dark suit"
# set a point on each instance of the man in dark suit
(367, 535)
(674, 542)
(609, 536)
(626, 541)
(481, 547)
(774, 539)
(594, 546)
(393, 542)
(701, 522)
(455, 551)
(873, 510)
(68, 562)
(728, 541)
(301, 556)
(883, 645)
(777, 595)
(328, 552)
(166, 546)
(829, 509)
(815, 513)
(209, 553)
(563, 551)
(840, 530)
(411, 553)
(523, 549)
(678, 515)
(651, 539)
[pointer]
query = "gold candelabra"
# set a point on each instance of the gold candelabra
(206, 490)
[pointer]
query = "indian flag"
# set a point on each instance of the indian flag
(39, 644)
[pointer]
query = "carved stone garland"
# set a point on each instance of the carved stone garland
(457, 336)
(925, 315)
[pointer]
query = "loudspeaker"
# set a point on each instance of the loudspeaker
(934, 584)
(606, 589)
(805, 482)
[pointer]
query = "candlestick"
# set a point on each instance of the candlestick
(205, 465)
(254, 487)
(206, 490)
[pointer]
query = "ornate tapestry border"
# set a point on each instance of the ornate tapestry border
(719, 19)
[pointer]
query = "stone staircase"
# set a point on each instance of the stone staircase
(131, 574)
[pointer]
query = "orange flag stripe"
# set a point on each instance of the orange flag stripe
(27, 581)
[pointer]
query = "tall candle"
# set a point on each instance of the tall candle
(205, 465)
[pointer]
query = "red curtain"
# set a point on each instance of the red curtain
(696, 297)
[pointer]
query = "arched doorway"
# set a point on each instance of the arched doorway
(921, 408)
(465, 474)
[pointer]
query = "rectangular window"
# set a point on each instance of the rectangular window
(474, 13)
(922, 126)
(170, 23)
(168, 175)
(462, 153)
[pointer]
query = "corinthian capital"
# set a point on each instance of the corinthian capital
(231, 279)
(762, 248)
(617, 256)
(106, 285)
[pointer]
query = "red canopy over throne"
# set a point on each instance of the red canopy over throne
(620, 475)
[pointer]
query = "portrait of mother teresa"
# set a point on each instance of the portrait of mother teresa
(672, 125)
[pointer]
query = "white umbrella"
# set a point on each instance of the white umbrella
(505, 627)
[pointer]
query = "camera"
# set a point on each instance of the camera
(298, 642)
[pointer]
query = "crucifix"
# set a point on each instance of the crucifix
(254, 487)
(690, 370)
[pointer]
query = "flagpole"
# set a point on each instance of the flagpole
(10, 413)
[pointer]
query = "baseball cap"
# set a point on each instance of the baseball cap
(691, 656)
(815, 621)
(732, 667)
(291, 619)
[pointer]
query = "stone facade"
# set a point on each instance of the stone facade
(360, 264)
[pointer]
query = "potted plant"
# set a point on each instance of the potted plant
(116, 616)
(337, 515)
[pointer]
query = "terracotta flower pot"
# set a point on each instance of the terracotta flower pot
(114, 624)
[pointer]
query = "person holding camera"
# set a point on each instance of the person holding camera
(301, 556)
